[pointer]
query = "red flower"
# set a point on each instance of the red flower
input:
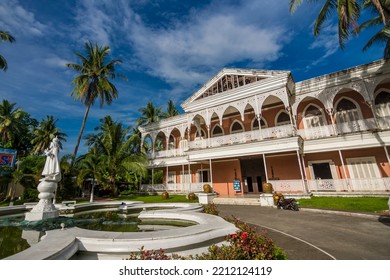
(244, 235)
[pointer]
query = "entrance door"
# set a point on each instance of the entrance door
(322, 170)
(250, 184)
(259, 184)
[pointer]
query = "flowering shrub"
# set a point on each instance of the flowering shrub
(245, 244)
(149, 255)
(210, 208)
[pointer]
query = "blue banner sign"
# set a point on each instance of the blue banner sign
(237, 185)
(7, 157)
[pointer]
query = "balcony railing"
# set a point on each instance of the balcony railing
(174, 188)
(368, 185)
(278, 132)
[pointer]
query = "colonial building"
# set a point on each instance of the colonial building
(245, 127)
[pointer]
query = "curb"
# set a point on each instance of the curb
(343, 213)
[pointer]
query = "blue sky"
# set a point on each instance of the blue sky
(168, 48)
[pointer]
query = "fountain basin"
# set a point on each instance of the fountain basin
(77, 243)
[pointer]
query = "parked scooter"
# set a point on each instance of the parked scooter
(287, 203)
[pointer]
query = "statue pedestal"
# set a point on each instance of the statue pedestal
(206, 198)
(266, 199)
(45, 208)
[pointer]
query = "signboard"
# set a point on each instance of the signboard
(237, 185)
(7, 157)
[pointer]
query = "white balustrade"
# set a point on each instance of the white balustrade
(288, 186)
(356, 126)
(316, 132)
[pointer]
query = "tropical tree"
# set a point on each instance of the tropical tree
(6, 37)
(45, 133)
(381, 18)
(171, 110)
(91, 167)
(149, 114)
(10, 123)
(348, 13)
(93, 81)
(115, 146)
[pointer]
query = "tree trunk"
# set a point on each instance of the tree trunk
(80, 133)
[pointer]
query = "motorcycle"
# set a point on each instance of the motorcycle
(287, 203)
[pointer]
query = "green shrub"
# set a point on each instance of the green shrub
(210, 208)
(245, 244)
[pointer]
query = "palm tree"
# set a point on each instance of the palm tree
(6, 37)
(45, 133)
(171, 110)
(91, 167)
(115, 145)
(10, 123)
(149, 114)
(348, 11)
(383, 35)
(93, 81)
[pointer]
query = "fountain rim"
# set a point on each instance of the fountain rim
(63, 244)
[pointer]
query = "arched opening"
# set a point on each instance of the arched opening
(347, 111)
(255, 123)
(282, 118)
(174, 139)
(313, 116)
(382, 108)
(217, 131)
(236, 127)
(160, 142)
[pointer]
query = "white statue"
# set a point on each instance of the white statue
(52, 171)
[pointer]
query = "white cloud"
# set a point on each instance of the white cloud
(18, 21)
(327, 42)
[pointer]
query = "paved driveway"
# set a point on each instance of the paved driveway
(307, 235)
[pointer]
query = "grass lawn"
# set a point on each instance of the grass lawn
(359, 204)
(155, 198)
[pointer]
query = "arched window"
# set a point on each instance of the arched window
(171, 143)
(382, 104)
(347, 111)
(255, 123)
(217, 131)
(236, 127)
(313, 117)
(283, 118)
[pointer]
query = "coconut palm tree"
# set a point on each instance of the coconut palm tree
(93, 81)
(348, 11)
(115, 146)
(149, 114)
(171, 110)
(382, 12)
(91, 167)
(45, 133)
(6, 37)
(10, 123)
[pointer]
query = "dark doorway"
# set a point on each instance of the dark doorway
(259, 184)
(252, 168)
(250, 184)
(322, 170)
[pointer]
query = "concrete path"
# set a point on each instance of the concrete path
(314, 235)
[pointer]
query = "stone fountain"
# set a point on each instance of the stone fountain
(47, 187)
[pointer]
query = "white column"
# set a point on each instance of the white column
(265, 168)
(189, 173)
(167, 177)
(300, 170)
(387, 153)
(344, 170)
(211, 174)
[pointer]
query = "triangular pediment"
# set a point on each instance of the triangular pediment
(231, 78)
